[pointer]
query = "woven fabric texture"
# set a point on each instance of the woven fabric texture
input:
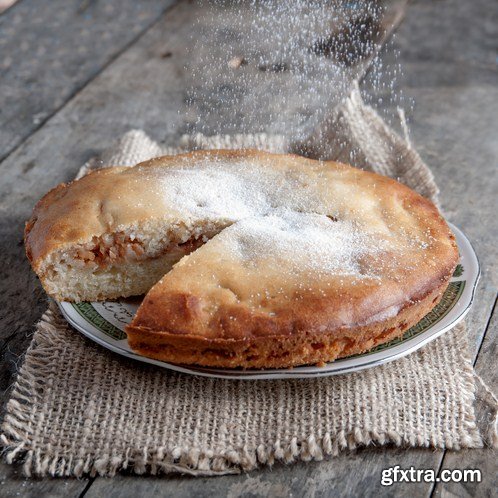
(78, 409)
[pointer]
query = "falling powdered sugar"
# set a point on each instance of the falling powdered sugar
(281, 217)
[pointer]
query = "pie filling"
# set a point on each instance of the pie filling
(120, 248)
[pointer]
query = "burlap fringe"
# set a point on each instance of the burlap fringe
(477, 389)
(197, 461)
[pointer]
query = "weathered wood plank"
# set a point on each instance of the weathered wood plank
(51, 48)
(293, 73)
(351, 474)
(14, 485)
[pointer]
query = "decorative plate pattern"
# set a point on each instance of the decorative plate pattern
(104, 322)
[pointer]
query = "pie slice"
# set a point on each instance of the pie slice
(286, 289)
(249, 259)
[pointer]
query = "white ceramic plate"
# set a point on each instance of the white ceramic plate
(104, 323)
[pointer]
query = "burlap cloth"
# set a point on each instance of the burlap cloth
(76, 408)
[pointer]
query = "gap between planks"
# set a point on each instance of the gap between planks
(83, 84)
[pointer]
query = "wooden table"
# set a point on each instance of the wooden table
(76, 75)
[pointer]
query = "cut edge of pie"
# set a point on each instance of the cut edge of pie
(278, 351)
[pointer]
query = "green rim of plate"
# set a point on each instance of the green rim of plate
(447, 303)
(90, 314)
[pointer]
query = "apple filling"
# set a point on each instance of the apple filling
(111, 249)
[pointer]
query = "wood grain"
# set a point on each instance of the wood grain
(49, 49)
(14, 485)
(351, 474)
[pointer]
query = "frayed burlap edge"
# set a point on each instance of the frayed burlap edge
(28, 390)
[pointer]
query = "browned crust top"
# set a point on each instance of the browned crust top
(188, 302)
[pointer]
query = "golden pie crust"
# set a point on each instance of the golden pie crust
(293, 261)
